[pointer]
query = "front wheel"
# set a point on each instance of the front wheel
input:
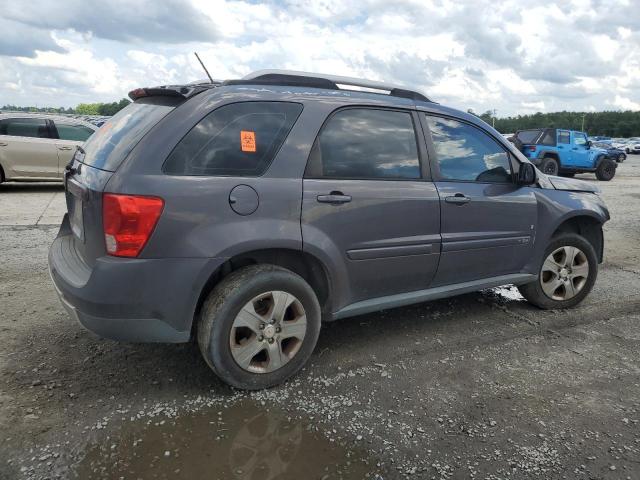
(259, 326)
(549, 166)
(606, 170)
(567, 274)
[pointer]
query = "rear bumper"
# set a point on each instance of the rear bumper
(134, 300)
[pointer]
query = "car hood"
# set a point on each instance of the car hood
(572, 184)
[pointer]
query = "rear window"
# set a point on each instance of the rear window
(72, 131)
(111, 143)
(240, 139)
(528, 136)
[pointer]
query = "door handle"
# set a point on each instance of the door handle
(334, 198)
(457, 199)
(3, 144)
(574, 148)
(64, 148)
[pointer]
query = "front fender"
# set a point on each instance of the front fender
(556, 207)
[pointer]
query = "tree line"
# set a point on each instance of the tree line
(106, 109)
(608, 123)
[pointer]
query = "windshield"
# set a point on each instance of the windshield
(110, 145)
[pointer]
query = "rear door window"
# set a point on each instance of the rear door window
(564, 137)
(366, 144)
(25, 127)
(239, 139)
(72, 131)
(110, 145)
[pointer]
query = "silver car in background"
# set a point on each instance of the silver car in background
(36, 146)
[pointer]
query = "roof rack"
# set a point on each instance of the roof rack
(315, 80)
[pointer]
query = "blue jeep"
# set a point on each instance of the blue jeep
(564, 152)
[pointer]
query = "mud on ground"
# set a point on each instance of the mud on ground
(481, 386)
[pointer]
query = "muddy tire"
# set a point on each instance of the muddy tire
(259, 326)
(567, 274)
(549, 166)
(606, 170)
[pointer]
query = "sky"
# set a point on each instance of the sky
(516, 57)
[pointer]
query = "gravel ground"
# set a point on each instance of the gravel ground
(480, 386)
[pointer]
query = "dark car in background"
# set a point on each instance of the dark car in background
(612, 152)
(244, 213)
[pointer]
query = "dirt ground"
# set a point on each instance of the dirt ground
(481, 386)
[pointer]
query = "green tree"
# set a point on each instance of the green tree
(88, 108)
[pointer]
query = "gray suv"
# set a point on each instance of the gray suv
(244, 213)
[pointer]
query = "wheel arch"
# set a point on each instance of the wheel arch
(587, 225)
(309, 267)
(551, 154)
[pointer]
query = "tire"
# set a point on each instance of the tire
(221, 316)
(535, 293)
(606, 170)
(549, 166)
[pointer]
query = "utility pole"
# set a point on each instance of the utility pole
(494, 118)
(583, 115)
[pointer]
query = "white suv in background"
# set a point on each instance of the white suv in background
(633, 145)
(36, 147)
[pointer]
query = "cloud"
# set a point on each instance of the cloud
(552, 55)
(18, 40)
(166, 21)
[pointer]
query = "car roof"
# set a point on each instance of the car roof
(48, 116)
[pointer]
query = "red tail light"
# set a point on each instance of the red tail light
(128, 222)
(532, 148)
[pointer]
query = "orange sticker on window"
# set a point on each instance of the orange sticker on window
(247, 141)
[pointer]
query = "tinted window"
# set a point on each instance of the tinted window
(365, 143)
(548, 138)
(24, 127)
(528, 136)
(110, 145)
(564, 137)
(240, 139)
(72, 131)
(466, 153)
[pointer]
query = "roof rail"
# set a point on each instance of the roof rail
(317, 80)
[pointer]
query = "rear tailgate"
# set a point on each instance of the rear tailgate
(94, 163)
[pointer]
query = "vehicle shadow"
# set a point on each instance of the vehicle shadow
(26, 187)
(86, 365)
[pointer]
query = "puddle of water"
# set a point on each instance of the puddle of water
(242, 442)
(507, 293)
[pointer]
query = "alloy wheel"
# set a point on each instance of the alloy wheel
(268, 332)
(564, 273)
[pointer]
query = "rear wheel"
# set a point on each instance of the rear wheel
(549, 166)
(567, 274)
(259, 326)
(606, 170)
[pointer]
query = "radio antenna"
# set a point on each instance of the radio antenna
(203, 67)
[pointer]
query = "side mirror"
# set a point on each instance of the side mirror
(526, 174)
(588, 144)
